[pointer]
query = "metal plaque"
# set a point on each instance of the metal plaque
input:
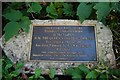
(63, 43)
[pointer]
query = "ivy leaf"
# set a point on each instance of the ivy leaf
(13, 15)
(35, 7)
(68, 9)
(92, 75)
(52, 73)
(51, 10)
(37, 72)
(84, 11)
(11, 29)
(84, 69)
(25, 24)
(103, 10)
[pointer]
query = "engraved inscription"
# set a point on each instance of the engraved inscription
(63, 43)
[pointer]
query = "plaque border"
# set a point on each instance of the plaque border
(50, 24)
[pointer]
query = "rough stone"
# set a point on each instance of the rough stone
(18, 48)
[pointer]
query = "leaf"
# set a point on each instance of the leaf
(103, 77)
(60, 12)
(41, 78)
(115, 6)
(59, 8)
(51, 10)
(15, 73)
(84, 69)
(15, 5)
(37, 72)
(103, 9)
(35, 7)
(7, 60)
(83, 11)
(8, 66)
(56, 78)
(101, 71)
(58, 4)
(68, 9)
(8, 77)
(69, 71)
(92, 75)
(25, 24)
(115, 72)
(19, 65)
(76, 76)
(76, 73)
(11, 29)
(13, 15)
(31, 77)
(52, 73)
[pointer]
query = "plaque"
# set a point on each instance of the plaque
(63, 43)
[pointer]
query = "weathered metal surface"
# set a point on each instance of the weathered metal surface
(63, 43)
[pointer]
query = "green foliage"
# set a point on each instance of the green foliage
(115, 6)
(59, 8)
(103, 9)
(15, 73)
(100, 72)
(52, 73)
(51, 10)
(17, 17)
(68, 9)
(0, 69)
(10, 70)
(13, 15)
(19, 65)
(17, 22)
(8, 66)
(17, 13)
(103, 77)
(24, 23)
(37, 72)
(35, 7)
(84, 69)
(11, 29)
(115, 72)
(92, 75)
(37, 75)
(84, 11)
(75, 72)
